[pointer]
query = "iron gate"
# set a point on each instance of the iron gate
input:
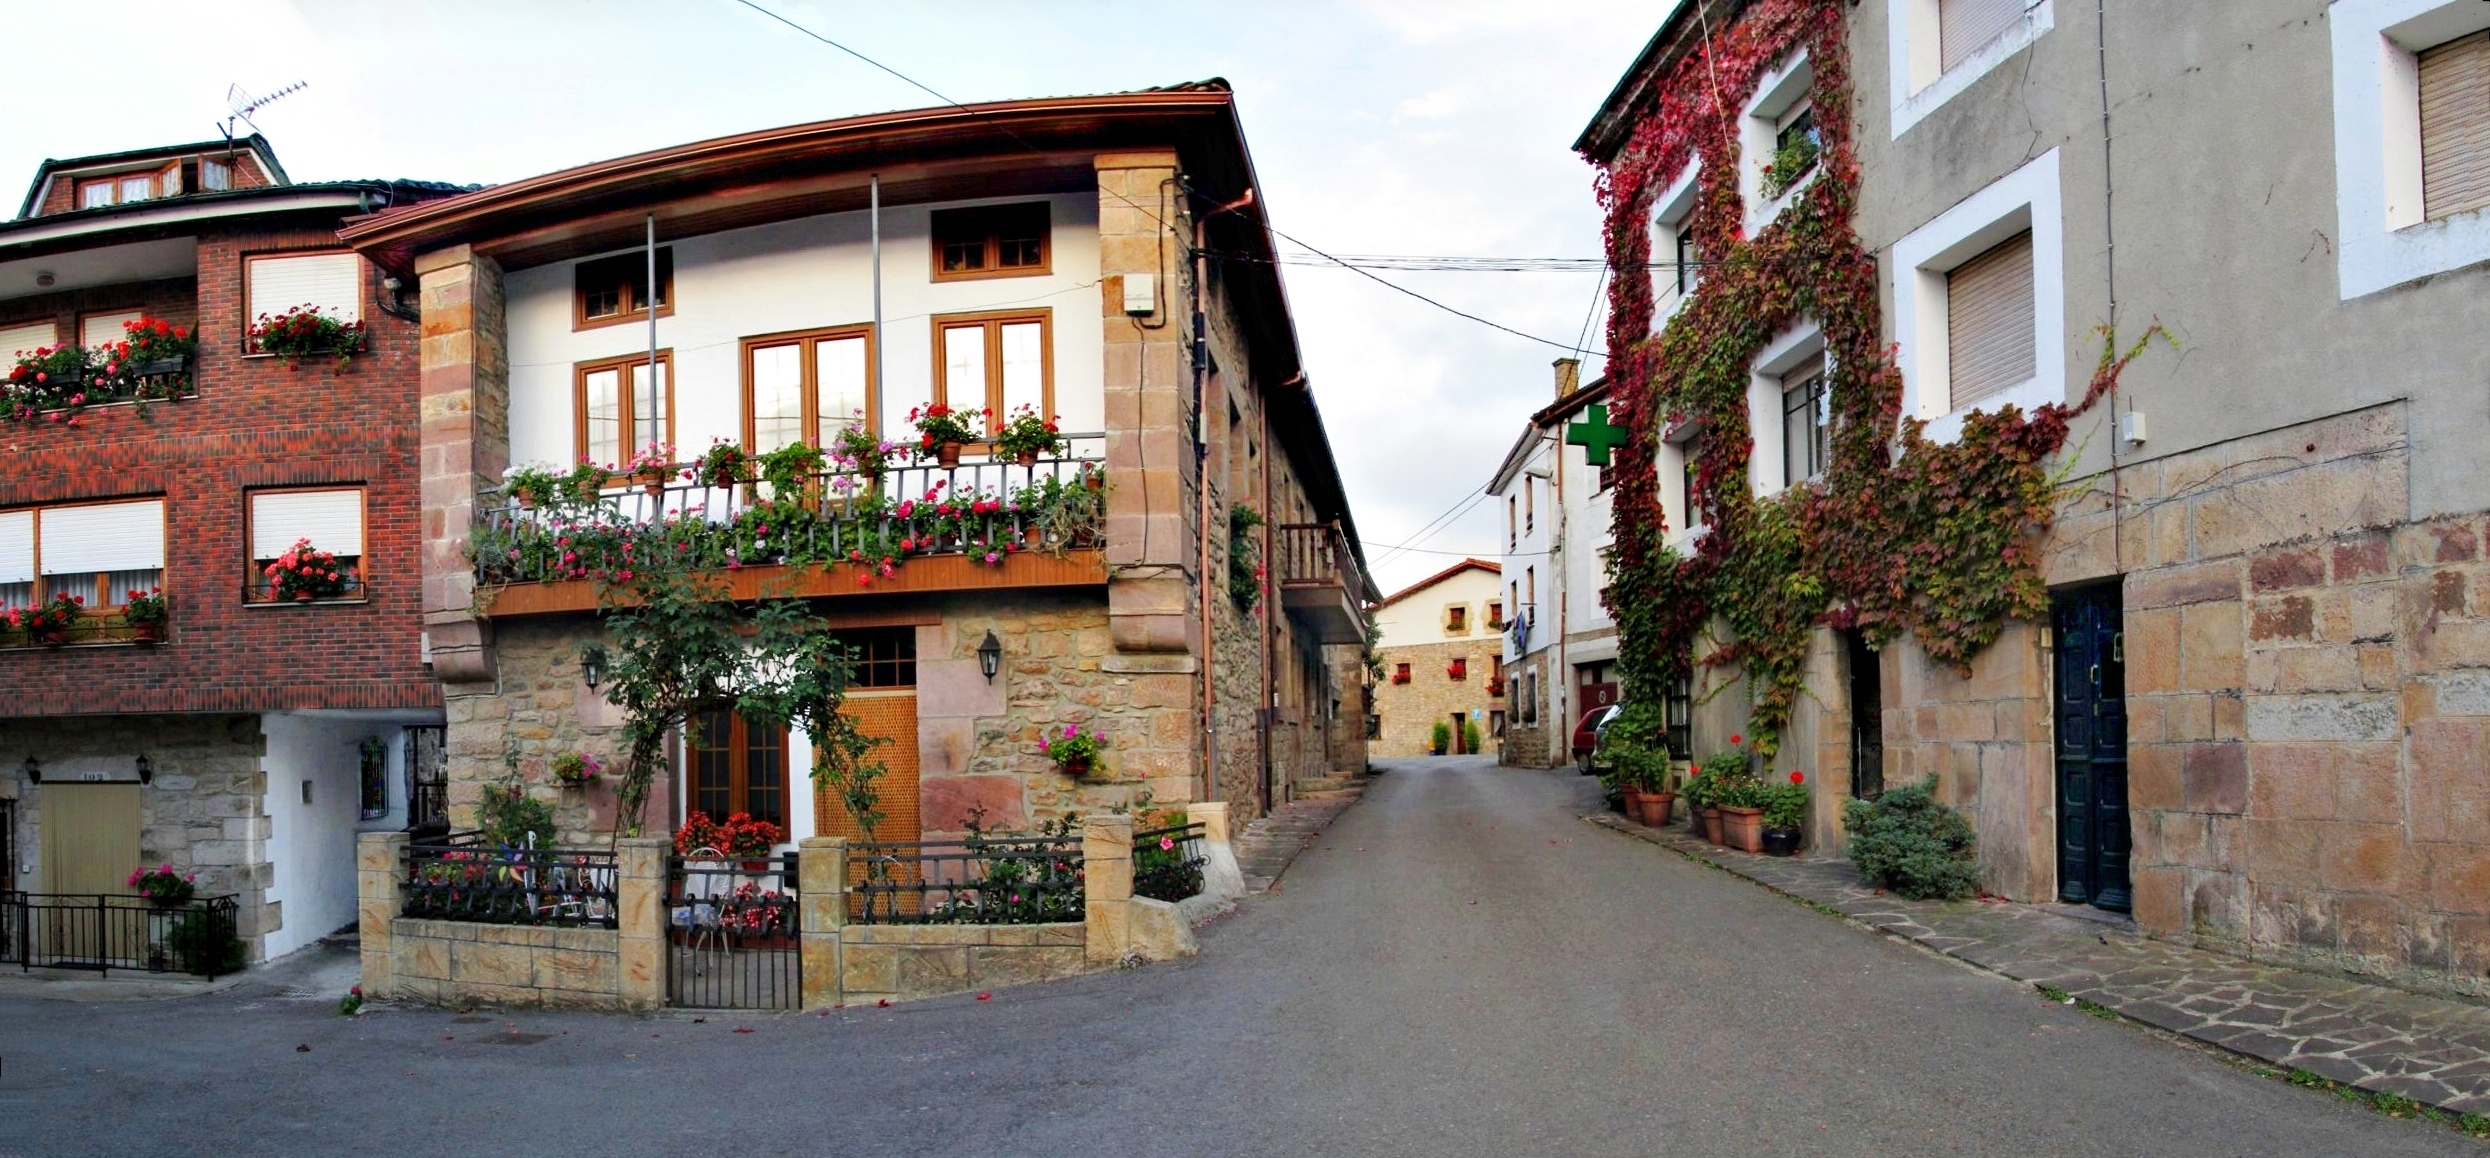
(733, 938)
(428, 779)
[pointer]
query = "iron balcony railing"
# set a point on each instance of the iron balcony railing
(983, 881)
(459, 878)
(987, 510)
(1318, 555)
(1167, 862)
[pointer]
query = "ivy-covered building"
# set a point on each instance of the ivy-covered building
(723, 359)
(2198, 636)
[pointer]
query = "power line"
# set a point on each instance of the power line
(1397, 287)
(1438, 526)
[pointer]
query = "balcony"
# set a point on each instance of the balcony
(917, 528)
(1320, 582)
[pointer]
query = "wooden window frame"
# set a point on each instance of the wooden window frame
(257, 591)
(158, 187)
(632, 311)
(631, 443)
(250, 313)
(99, 608)
(1495, 616)
(881, 673)
(1457, 618)
(738, 752)
(809, 375)
(992, 215)
(993, 322)
(52, 320)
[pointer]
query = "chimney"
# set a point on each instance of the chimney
(1568, 376)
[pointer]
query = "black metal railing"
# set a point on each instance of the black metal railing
(986, 510)
(1167, 862)
(984, 881)
(733, 934)
(107, 931)
(459, 878)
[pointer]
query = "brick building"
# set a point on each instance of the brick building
(252, 741)
(1440, 646)
(825, 280)
(2255, 710)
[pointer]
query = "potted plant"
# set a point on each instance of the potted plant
(163, 888)
(1650, 773)
(47, 378)
(534, 484)
(724, 464)
(1785, 809)
(1074, 752)
(48, 622)
(653, 466)
(856, 449)
(576, 769)
(1027, 437)
(699, 834)
(941, 432)
(741, 837)
(305, 330)
(1742, 813)
(788, 471)
(145, 612)
(304, 573)
(1439, 738)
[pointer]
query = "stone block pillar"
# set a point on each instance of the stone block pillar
(1151, 474)
(821, 890)
(1107, 892)
(380, 867)
(464, 418)
(640, 894)
(1221, 876)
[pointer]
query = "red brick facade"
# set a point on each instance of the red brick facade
(254, 423)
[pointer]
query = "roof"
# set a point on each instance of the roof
(1614, 123)
(255, 144)
(165, 216)
(1440, 576)
(1001, 148)
(1546, 416)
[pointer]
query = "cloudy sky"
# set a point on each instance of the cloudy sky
(1431, 127)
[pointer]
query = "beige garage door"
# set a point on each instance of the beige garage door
(90, 837)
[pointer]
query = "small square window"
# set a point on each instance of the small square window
(992, 241)
(1457, 619)
(614, 289)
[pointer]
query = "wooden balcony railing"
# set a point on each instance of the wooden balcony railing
(1319, 578)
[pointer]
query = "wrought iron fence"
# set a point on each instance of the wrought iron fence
(983, 509)
(1167, 862)
(107, 931)
(983, 881)
(733, 934)
(427, 779)
(461, 879)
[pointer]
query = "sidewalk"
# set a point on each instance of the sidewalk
(2370, 1037)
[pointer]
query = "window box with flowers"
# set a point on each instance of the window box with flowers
(740, 836)
(45, 624)
(146, 613)
(1075, 752)
(1458, 669)
(151, 363)
(1400, 673)
(303, 573)
(941, 432)
(307, 330)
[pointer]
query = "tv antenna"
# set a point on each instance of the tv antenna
(243, 104)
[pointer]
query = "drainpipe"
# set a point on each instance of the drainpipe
(1201, 485)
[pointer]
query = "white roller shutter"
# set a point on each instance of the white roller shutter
(332, 520)
(331, 281)
(1967, 26)
(17, 547)
(1990, 328)
(102, 329)
(103, 537)
(2455, 126)
(25, 339)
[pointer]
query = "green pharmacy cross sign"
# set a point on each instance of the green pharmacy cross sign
(1595, 436)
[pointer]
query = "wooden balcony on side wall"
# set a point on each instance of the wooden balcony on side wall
(1320, 581)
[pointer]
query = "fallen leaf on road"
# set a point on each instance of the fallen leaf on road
(744, 1029)
(884, 1003)
(985, 997)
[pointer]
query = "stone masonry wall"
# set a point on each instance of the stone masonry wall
(1410, 709)
(1529, 742)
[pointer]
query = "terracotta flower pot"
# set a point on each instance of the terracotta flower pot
(1630, 801)
(1656, 807)
(1743, 828)
(948, 454)
(147, 632)
(654, 481)
(1028, 458)
(1079, 767)
(1711, 818)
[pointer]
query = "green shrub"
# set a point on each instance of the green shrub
(203, 941)
(1784, 805)
(508, 816)
(1469, 736)
(1906, 841)
(1439, 737)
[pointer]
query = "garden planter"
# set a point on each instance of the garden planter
(1074, 768)
(1028, 458)
(654, 481)
(756, 866)
(1711, 818)
(158, 367)
(1656, 807)
(1630, 801)
(1781, 841)
(48, 636)
(1743, 828)
(948, 454)
(1093, 480)
(147, 632)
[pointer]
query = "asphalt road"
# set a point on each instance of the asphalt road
(1459, 966)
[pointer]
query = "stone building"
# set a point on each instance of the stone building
(250, 741)
(827, 280)
(2257, 710)
(1561, 645)
(1439, 643)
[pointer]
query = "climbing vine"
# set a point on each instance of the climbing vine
(1901, 533)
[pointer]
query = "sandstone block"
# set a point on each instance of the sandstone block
(481, 964)
(2321, 717)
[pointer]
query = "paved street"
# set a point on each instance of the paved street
(1458, 966)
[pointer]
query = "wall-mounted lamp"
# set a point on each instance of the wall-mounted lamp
(146, 770)
(33, 769)
(989, 656)
(592, 664)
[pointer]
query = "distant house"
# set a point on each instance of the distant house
(1443, 662)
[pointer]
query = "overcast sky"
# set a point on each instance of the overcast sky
(1378, 127)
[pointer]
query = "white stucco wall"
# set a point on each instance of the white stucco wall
(1417, 616)
(311, 847)
(799, 275)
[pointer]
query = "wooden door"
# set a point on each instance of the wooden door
(2092, 748)
(90, 837)
(890, 715)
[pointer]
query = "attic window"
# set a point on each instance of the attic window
(991, 241)
(214, 176)
(123, 188)
(615, 289)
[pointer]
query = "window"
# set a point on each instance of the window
(2411, 140)
(1400, 673)
(1512, 522)
(214, 176)
(992, 241)
(1530, 586)
(1691, 512)
(882, 657)
(1674, 259)
(1530, 502)
(2455, 127)
(804, 387)
(1980, 302)
(613, 421)
(1457, 619)
(331, 518)
(611, 290)
(996, 361)
(98, 553)
(1806, 425)
(124, 188)
(1935, 49)
(27, 337)
(1777, 141)
(1374, 727)
(329, 282)
(738, 766)
(1530, 696)
(104, 329)
(1495, 616)
(1459, 668)
(1677, 702)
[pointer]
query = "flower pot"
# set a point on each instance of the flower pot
(1656, 807)
(1743, 828)
(948, 454)
(156, 367)
(1712, 825)
(653, 481)
(1630, 801)
(48, 636)
(756, 866)
(1094, 480)
(1028, 458)
(1781, 841)
(147, 632)
(1078, 767)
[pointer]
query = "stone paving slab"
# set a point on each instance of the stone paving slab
(1266, 846)
(2370, 1037)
